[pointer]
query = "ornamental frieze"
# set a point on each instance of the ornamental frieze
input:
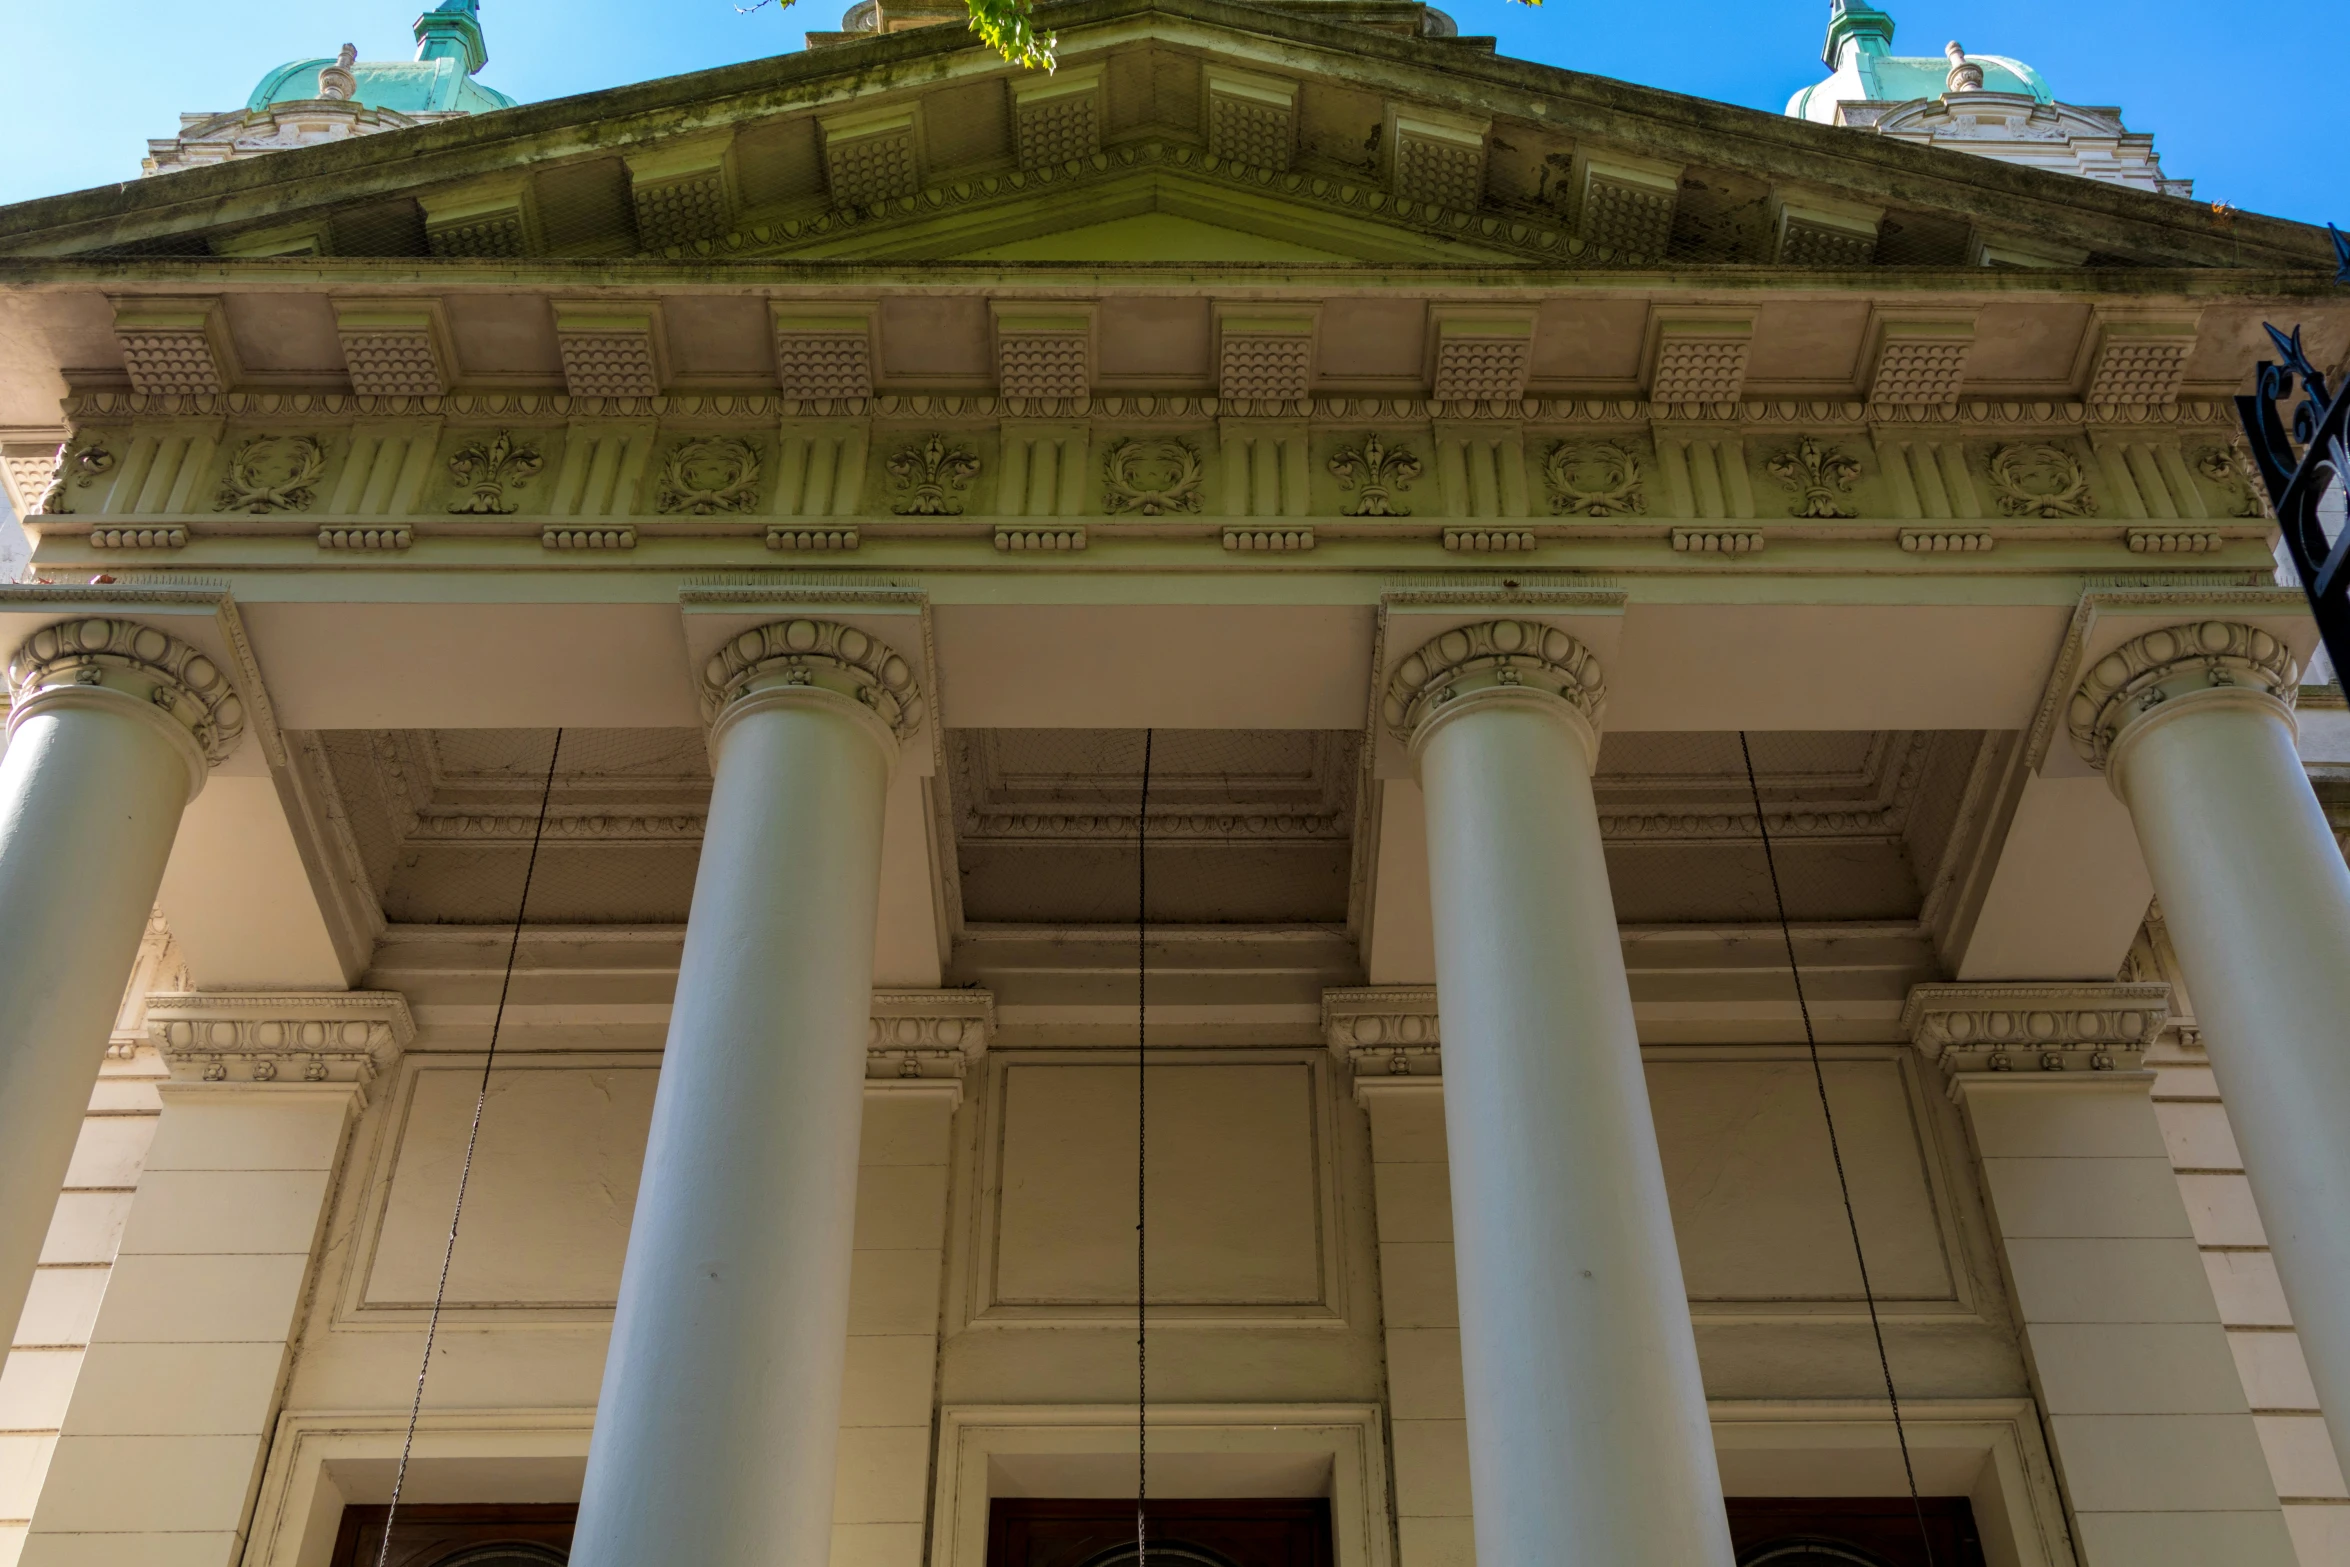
(709, 476)
(1818, 477)
(931, 477)
(1375, 472)
(1594, 479)
(270, 473)
(488, 470)
(1151, 478)
(2035, 479)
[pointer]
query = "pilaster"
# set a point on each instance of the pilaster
(190, 1352)
(1388, 1036)
(2144, 1406)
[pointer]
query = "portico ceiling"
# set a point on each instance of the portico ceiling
(1038, 827)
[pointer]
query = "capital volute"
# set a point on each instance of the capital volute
(248, 1039)
(101, 660)
(2037, 1030)
(769, 662)
(1385, 1032)
(2146, 675)
(1489, 661)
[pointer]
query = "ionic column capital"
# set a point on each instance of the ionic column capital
(305, 1037)
(2207, 662)
(1490, 662)
(2051, 1033)
(926, 1039)
(121, 665)
(1385, 1033)
(808, 659)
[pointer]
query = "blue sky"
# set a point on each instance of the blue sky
(91, 87)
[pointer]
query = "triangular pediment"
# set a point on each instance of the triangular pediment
(1153, 236)
(1174, 132)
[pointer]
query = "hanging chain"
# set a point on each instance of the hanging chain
(1142, 1177)
(481, 1099)
(1819, 1079)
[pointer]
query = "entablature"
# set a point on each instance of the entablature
(139, 474)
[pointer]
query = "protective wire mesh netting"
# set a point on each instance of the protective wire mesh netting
(1247, 827)
(442, 819)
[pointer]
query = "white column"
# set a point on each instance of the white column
(1588, 1436)
(2137, 1386)
(717, 1434)
(2192, 728)
(112, 727)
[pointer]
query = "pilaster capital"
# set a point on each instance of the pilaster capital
(813, 655)
(2137, 679)
(101, 659)
(927, 1039)
(300, 1037)
(2044, 1029)
(1386, 1031)
(1492, 660)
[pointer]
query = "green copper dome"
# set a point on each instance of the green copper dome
(449, 50)
(1860, 51)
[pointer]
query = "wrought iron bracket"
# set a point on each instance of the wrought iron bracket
(2298, 467)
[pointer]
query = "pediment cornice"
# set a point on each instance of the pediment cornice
(1442, 77)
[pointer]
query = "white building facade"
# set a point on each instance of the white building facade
(609, 657)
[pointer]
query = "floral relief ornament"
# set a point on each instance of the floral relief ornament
(708, 476)
(486, 469)
(274, 473)
(932, 479)
(1593, 479)
(1151, 478)
(1375, 474)
(1818, 475)
(2232, 472)
(78, 466)
(2041, 481)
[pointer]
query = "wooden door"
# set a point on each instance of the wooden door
(1863, 1531)
(1277, 1532)
(426, 1536)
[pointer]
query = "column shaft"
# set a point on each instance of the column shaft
(90, 796)
(717, 1432)
(2258, 901)
(1588, 1435)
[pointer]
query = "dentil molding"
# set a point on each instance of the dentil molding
(2138, 677)
(1492, 655)
(137, 661)
(2035, 1028)
(350, 1037)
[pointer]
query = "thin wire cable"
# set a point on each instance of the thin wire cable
(1819, 1079)
(1142, 1175)
(481, 1099)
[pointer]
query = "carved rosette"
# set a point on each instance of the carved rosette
(927, 1035)
(1495, 655)
(1385, 1032)
(2139, 677)
(348, 1038)
(1968, 1029)
(99, 653)
(815, 653)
